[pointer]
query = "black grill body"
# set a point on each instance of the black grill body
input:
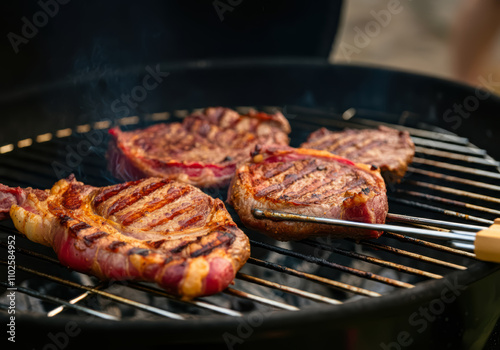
(298, 88)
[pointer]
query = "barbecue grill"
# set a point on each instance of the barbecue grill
(396, 292)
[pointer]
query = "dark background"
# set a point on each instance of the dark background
(102, 36)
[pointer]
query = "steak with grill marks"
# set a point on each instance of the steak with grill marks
(203, 150)
(308, 182)
(389, 149)
(154, 230)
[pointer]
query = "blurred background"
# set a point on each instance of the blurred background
(452, 39)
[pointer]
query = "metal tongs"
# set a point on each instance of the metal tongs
(484, 241)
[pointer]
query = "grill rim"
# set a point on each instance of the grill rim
(81, 83)
(486, 269)
(317, 314)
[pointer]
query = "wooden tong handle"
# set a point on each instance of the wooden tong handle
(487, 243)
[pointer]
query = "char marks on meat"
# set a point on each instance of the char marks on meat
(152, 229)
(203, 150)
(309, 182)
(389, 149)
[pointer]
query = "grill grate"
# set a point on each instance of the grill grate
(278, 276)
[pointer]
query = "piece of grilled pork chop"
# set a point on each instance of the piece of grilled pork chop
(309, 182)
(154, 230)
(389, 149)
(203, 150)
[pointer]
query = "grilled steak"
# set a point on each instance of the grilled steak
(309, 182)
(154, 230)
(389, 149)
(10, 196)
(203, 150)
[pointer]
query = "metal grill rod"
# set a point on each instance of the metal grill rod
(446, 146)
(323, 262)
(440, 210)
(259, 299)
(137, 286)
(402, 252)
(373, 260)
(198, 303)
(291, 290)
(431, 245)
(331, 283)
(458, 168)
(456, 156)
(449, 201)
(453, 179)
(75, 300)
(38, 295)
(454, 191)
(108, 295)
